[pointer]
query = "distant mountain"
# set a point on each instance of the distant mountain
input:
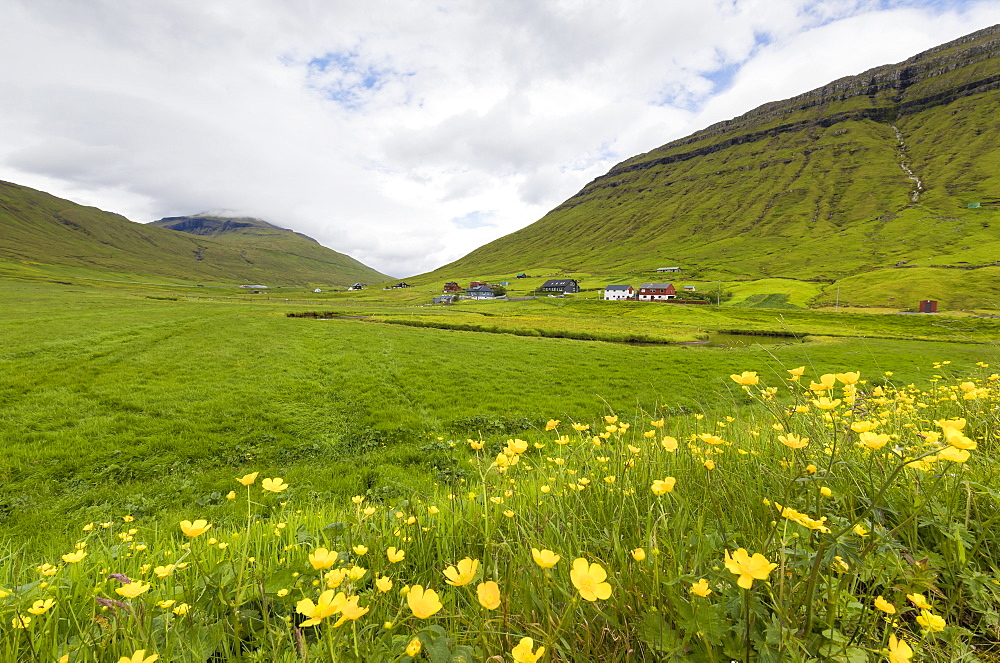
(895, 167)
(38, 229)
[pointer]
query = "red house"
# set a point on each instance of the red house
(656, 292)
(474, 284)
(452, 286)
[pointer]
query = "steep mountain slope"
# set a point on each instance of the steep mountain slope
(871, 171)
(41, 230)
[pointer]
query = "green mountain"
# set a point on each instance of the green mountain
(879, 171)
(40, 233)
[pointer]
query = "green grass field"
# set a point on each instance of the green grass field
(146, 401)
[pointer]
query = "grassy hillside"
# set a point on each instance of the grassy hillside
(811, 187)
(42, 236)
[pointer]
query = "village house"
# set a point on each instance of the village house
(655, 292)
(689, 288)
(474, 284)
(668, 269)
(452, 286)
(619, 292)
(560, 286)
(480, 292)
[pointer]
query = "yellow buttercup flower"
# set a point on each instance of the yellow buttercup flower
(638, 554)
(920, 601)
(793, 441)
(746, 378)
(544, 558)
(40, 607)
(133, 589)
(589, 580)
(350, 611)
(611, 418)
(522, 651)
(463, 573)
(327, 604)
(932, 623)
(954, 454)
(139, 657)
(863, 426)
(663, 486)
(874, 440)
(825, 492)
(321, 558)
(164, 571)
(748, 568)
(21, 621)
(395, 555)
(196, 528)
(231, 495)
(413, 648)
(899, 650)
(488, 594)
(384, 584)
(709, 464)
(423, 603)
(74, 557)
(551, 424)
(848, 378)
(669, 443)
(275, 485)
(248, 479)
(701, 588)
(885, 606)
(48, 569)
(360, 549)
(825, 403)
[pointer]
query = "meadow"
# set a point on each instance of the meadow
(136, 408)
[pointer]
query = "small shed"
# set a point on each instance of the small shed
(668, 269)
(928, 306)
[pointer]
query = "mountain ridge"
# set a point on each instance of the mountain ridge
(870, 167)
(39, 232)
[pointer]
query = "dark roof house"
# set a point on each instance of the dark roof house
(562, 286)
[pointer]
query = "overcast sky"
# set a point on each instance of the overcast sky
(404, 132)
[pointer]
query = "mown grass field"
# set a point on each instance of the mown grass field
(146, 401)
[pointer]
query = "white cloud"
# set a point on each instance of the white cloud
(405, 134)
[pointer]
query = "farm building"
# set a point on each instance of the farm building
(357, 286)
(560, 286)
(689, 288)
(619, 292)
(655, 292)
(668, 269)
(445, 299)
(474, 284)
(452, 286)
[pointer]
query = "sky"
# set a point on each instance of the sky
(404, 133)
